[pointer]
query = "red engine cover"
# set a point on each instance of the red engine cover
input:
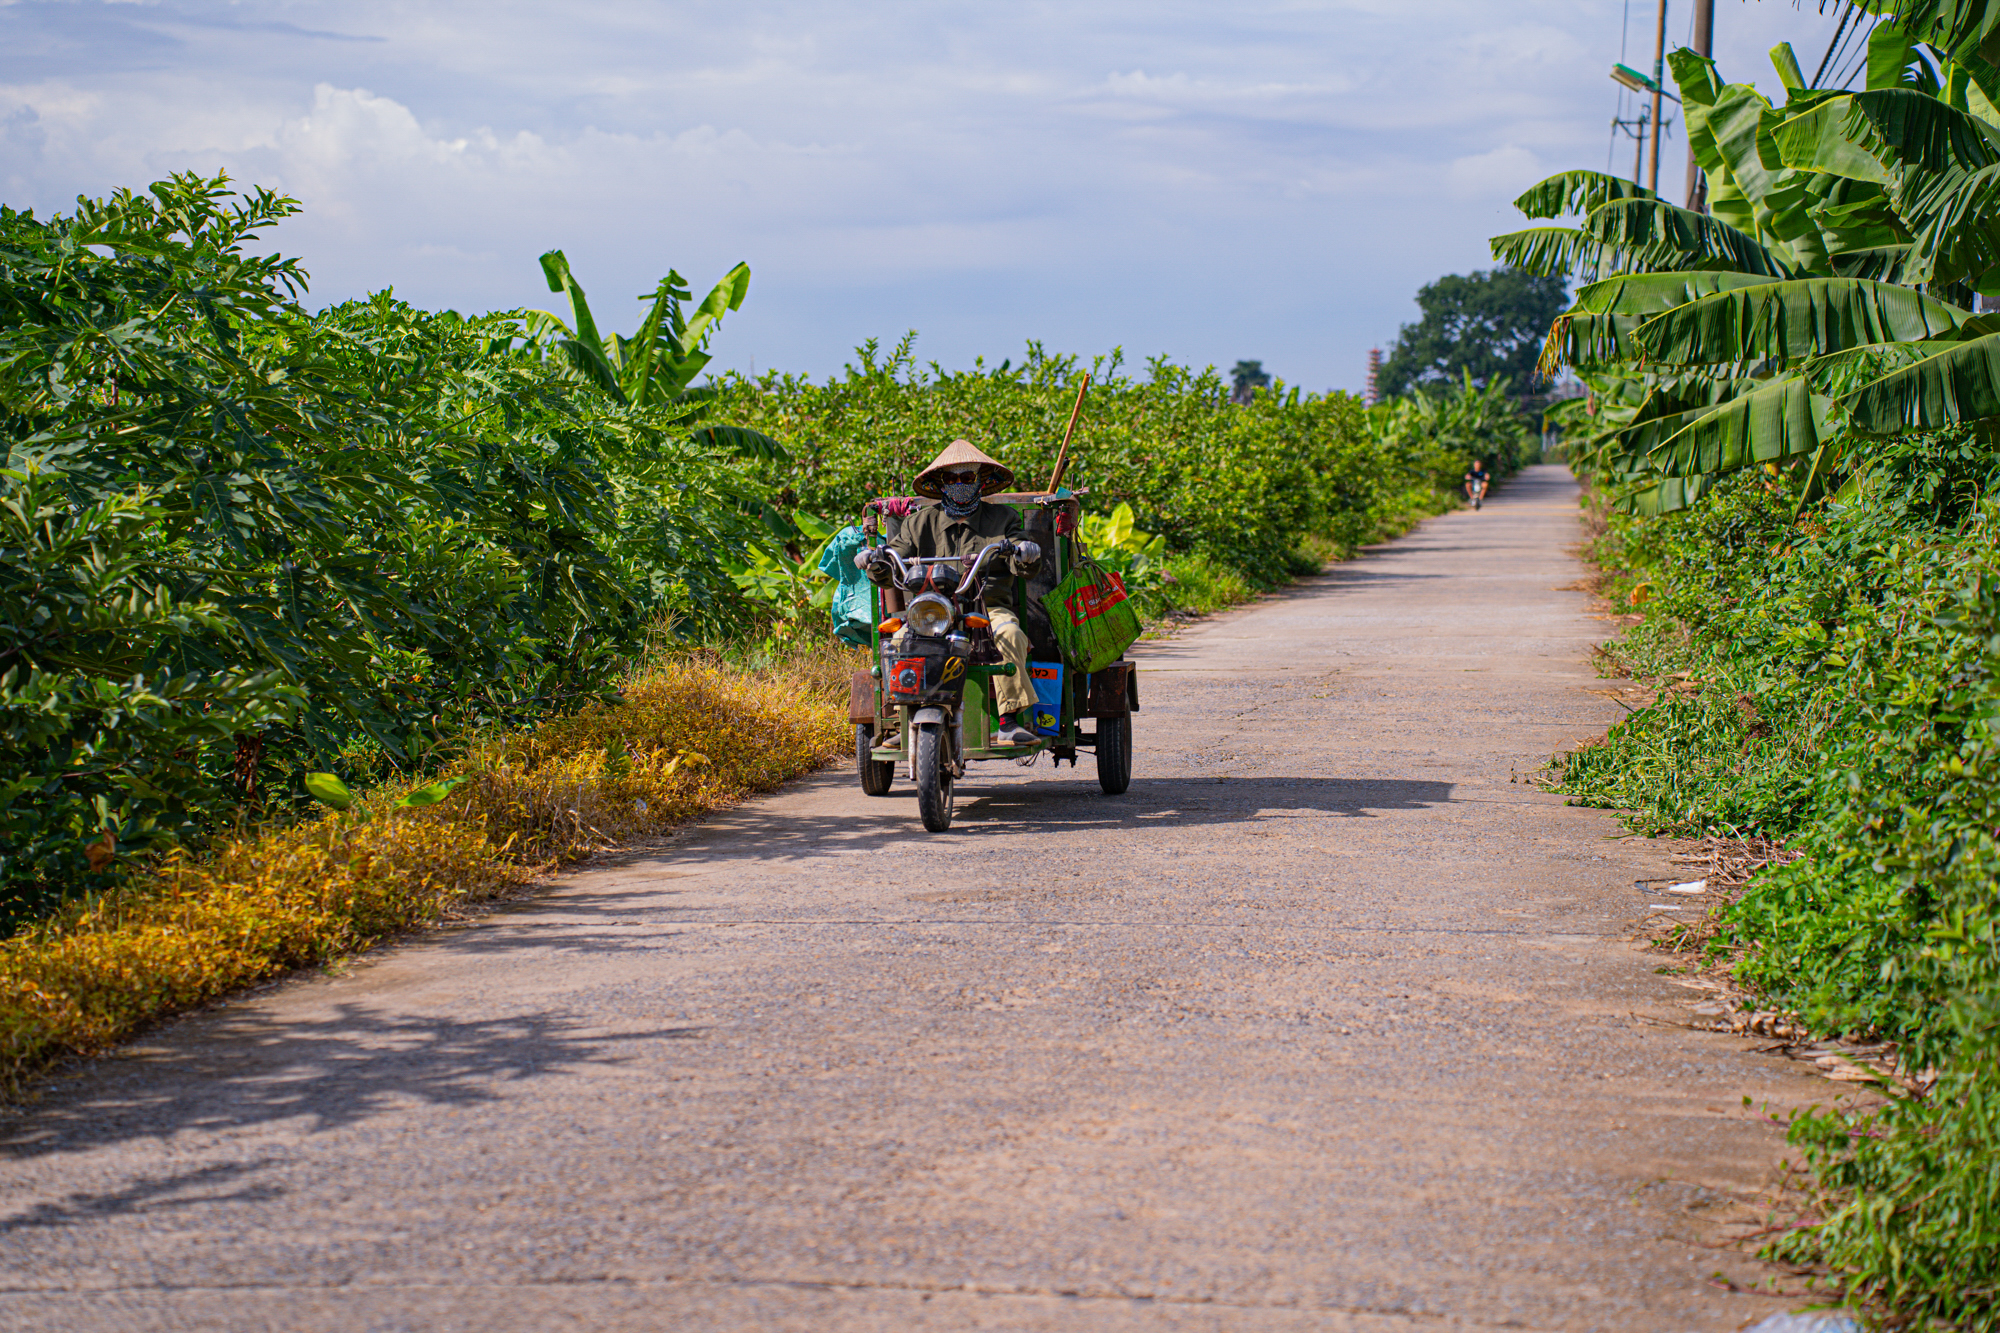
(907, 677)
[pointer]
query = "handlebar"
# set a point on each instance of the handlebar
(971, 579)
(907, 569)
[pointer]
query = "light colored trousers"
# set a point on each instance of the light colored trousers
(1015, 693)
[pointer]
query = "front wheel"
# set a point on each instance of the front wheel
(1114, 754)
(934, 794)
(876, 774)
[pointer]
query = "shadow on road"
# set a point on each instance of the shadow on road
(246, 1070)
(1069, 803)
(148, 1194)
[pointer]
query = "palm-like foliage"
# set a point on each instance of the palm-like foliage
(1827, 297)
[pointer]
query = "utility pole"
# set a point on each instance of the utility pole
(1704, 44)
(1659, 73)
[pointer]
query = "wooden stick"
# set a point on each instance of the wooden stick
(1062, 454)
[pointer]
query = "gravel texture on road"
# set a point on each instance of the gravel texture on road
(1328, 1024)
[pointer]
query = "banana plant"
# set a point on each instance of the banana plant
(653, 370)
(1827, 296)
(657, 365)
(787, 585)
(1114, 542)
(651, 375)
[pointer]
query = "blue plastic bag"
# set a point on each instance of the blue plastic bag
(1047, 677)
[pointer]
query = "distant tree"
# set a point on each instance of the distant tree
(1490, 323)
(1246, 379)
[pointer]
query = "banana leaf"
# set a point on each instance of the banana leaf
(1789, 321)
(1960, 382)
(1960, 234)
(1742, 123)
(1666, 237)
(583, 348)
(1783, 419)
(1666, 405)
(1574, 193)
(1890, 54)
(1878, 359)
(1882, 263)
(1563, 252)
(1597, 329)
(1973, 86)
(1677, 395)
(1906, 129)
(1817, 140)
(1786, 62)
(1694, 75)
(1663, 495)
(1650, 293)
(1857, 215)
(1956, 27)
(1673, 404)
(1726, 203)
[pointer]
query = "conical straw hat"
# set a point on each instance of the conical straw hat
(993, 474)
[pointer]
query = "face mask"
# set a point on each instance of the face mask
(960, 497)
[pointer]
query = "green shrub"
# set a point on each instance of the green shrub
(1243, 485)
(1831, 677)
(245, 541)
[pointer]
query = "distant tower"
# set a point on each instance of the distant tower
(1374, 375)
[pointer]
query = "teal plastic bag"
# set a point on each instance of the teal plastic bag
(853, 606)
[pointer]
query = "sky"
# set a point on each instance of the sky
(1210, 182)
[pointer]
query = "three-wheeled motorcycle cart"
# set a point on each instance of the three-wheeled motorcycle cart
(926, 706)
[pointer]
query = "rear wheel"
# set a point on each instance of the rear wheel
(876, 774)
(1114, 754)
(934, 794)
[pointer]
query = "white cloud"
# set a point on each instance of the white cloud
(1267, 179)
(1509, 168)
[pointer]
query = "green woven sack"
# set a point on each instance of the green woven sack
(1093, 622)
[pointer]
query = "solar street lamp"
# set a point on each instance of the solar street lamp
(1638, 82)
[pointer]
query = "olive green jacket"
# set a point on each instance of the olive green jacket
(931, 532)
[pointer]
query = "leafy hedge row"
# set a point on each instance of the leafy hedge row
(1845, 697)
(1244, 485)
(240, 540)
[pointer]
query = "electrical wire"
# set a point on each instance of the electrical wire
(1860, 64)
(1839, 35)
(1846, 61)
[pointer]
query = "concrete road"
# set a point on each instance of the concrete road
(1328, 1024)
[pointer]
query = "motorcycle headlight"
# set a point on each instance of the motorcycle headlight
(928, 614)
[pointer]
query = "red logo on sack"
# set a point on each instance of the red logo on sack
(1094, 599)
(907, 676)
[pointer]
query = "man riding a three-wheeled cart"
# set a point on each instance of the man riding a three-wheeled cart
(994, 636)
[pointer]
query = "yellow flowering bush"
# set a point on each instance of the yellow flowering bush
(691, 734)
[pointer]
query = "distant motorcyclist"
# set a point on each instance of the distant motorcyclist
(960, 526)
(1476, 481)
